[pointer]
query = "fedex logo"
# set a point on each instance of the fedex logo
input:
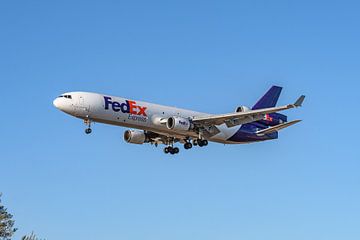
(126, 107)
(183, 123)
(268, 118)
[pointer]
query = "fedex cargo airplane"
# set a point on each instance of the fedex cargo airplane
(157, 124)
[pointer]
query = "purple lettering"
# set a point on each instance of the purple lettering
(107, 102)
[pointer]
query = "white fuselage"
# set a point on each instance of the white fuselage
(133, 114)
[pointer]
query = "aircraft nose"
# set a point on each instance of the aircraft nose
(64, 104)
(56, 102)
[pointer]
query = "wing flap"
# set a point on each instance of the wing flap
(243, 120)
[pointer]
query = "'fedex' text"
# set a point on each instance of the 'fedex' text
(126, 107)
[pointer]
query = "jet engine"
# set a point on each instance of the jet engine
(179, 124)
(135, 137)
(242, 109)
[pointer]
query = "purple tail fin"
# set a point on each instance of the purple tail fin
(269, 99)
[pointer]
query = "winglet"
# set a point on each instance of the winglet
(300, 101)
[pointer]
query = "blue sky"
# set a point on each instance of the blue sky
(208, 56)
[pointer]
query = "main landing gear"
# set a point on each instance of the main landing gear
(196, 142)
(187, 145)
(171, 150)
(200, 142)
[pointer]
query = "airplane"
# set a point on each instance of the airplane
(157, 124)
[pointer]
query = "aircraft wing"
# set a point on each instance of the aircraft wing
(234, 119)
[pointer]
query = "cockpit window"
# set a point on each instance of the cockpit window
(65, 96)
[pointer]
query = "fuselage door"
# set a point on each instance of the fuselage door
(81, 107)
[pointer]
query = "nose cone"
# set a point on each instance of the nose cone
(56, 103)
(64, 104)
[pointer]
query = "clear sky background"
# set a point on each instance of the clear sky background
(209, 56)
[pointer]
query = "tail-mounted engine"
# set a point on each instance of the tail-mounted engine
(242, 109)
(179, 124)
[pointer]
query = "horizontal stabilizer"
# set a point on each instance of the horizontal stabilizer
(277, 127)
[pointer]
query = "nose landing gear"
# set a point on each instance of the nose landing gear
(87, 122)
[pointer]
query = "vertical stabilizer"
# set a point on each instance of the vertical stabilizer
(269, 99)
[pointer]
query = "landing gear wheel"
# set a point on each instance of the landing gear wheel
(195, 142)
(87, 122)
(187, 145)
(203, 143)
(166, 150)
(172, 150)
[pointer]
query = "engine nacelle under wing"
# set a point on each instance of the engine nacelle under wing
(135, 137)
(179, 124)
